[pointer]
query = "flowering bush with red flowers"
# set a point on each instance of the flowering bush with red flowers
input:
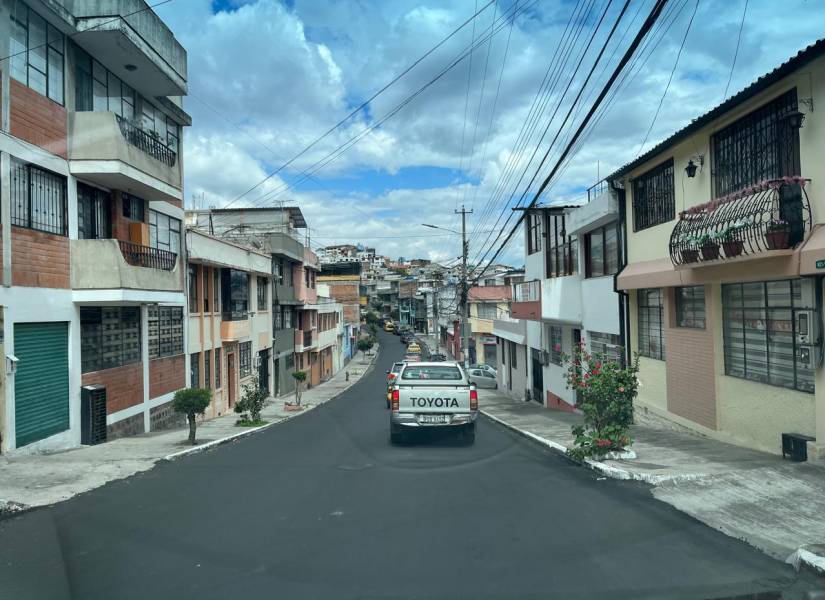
(605, 389)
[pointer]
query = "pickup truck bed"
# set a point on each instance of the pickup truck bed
(432, 394)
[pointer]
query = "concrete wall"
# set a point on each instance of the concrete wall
(600, 305)
(561, 299)
(518, 376)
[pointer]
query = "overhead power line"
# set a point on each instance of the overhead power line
(736, 52)
(640, 35)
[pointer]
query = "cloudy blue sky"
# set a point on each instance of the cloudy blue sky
(268, 77)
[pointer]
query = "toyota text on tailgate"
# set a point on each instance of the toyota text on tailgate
(432, 394)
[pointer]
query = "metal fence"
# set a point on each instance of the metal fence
(145, 256)
(151, 145)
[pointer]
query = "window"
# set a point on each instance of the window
(288, 273)
(97, 89)
(109, 337)
(555, 344)
(206, 281)
(164, 231)
(245, 359)
(757, 147)
(278, 270)
(235, 294)
(534, 232)
(489, 282)
(207, 368)
(277, 318)
(133, 207)
(165, 330)
(513, 359)
(431, 372)
(38, 198)
(601, 249)
(502, 343)
(562, 250)
(651, 337)
(194, 370)
(760, 332)
(653, 197)
(262, 299)
(193, 289)
(94, 213)
(690, 306)
(37, 51)
(288, 317)
(607, 345)
(217, 368)
(487, 311)
(216, 290)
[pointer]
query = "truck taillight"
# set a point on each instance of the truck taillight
(395, 397)
(391, 376)
(473, 399)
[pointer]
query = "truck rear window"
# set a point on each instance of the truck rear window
(437, 373)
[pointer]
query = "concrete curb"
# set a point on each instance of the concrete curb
(600, 467)
(254, 430)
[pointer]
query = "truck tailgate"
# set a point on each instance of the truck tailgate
(438, 398)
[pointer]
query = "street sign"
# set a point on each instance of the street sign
(820, 264)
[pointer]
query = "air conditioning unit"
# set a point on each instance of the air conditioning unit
(92, 414)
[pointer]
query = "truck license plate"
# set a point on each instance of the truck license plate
(432, 419)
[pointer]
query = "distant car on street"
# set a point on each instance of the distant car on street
(389, 326)
(406, 338)
(482, 378)
(414, 348)
(392, 374)
(484, 367)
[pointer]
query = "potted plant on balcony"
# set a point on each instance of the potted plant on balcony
(709, 246)
(687, 249)
(729, 237)
(778, 234)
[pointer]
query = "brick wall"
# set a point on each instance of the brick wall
(557, 403)
(124, 385)
(37, 119)
(39, 259)
(164, 417)
(125, 427)
(691, 385)
(166, 375)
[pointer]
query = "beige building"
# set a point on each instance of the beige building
(725, 254)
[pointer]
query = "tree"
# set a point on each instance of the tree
(191, 402)
(371, 317)
(606, 389)
(300, 377)
(251, 403)
(366, 344)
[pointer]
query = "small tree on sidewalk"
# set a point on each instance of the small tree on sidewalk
(606, 389)
(300, 377)
(191, 402)
(251, 403)
(365, 344)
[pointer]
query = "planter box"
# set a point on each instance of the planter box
(778, 240)
(690, 256)
(733, 248)
(289, 407)
(710, 252)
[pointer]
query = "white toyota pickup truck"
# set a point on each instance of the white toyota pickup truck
(433, 394)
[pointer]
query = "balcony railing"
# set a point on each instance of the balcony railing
(772, 215)
(146, 142)
(145, 256)
(596, 190)
(528, 291)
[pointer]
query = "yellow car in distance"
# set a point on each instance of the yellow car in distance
(389, 326)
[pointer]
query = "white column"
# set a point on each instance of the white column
(5, 214)
(144, 357)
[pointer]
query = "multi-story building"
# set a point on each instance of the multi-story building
(229, 318)
(487, 303)
(725, 256)
(571, 258)
(91, 182)
(344, 283)
(276, 232)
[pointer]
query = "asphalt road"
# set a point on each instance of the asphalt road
(323, 506)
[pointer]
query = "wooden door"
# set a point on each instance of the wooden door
(230, 378)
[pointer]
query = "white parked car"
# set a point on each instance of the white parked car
(483, 378)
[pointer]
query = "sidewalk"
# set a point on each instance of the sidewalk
(42, 479)
(775, 505)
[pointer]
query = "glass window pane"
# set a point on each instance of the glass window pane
(37, 42)
(37, 81)
(100, 97)
(596, 253)
(611, 250)
(17, 50)
(55, 76)
(115, 102)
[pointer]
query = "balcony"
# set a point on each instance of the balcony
(304, 340)
(561, 299)
(527, 300)
(327, 338)
(601, 209)
(113, 264)
(112, 152)
(511, 329)
(766, 219)
(140, 39)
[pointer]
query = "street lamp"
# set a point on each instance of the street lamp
(441, 228)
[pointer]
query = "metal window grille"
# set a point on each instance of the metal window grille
(555, 344)
(146, 256)
(94, 213)
(607, 345)
(38, 198)
(651, 328)
(262, 285)
(690, 306)
(759, 327)
(217, 368)
(207, 368)
(245, 351)
(165, 331)
(653, 197)
(148, 141)
(760, 146)
(109, 337)
(194, 370)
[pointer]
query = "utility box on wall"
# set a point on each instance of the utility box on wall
(92, 414)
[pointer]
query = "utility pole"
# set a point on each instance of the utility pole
(465, 308)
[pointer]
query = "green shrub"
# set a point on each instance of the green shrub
(251, 403)
(300, 377)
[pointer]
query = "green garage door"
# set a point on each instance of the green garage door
(41, 384)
